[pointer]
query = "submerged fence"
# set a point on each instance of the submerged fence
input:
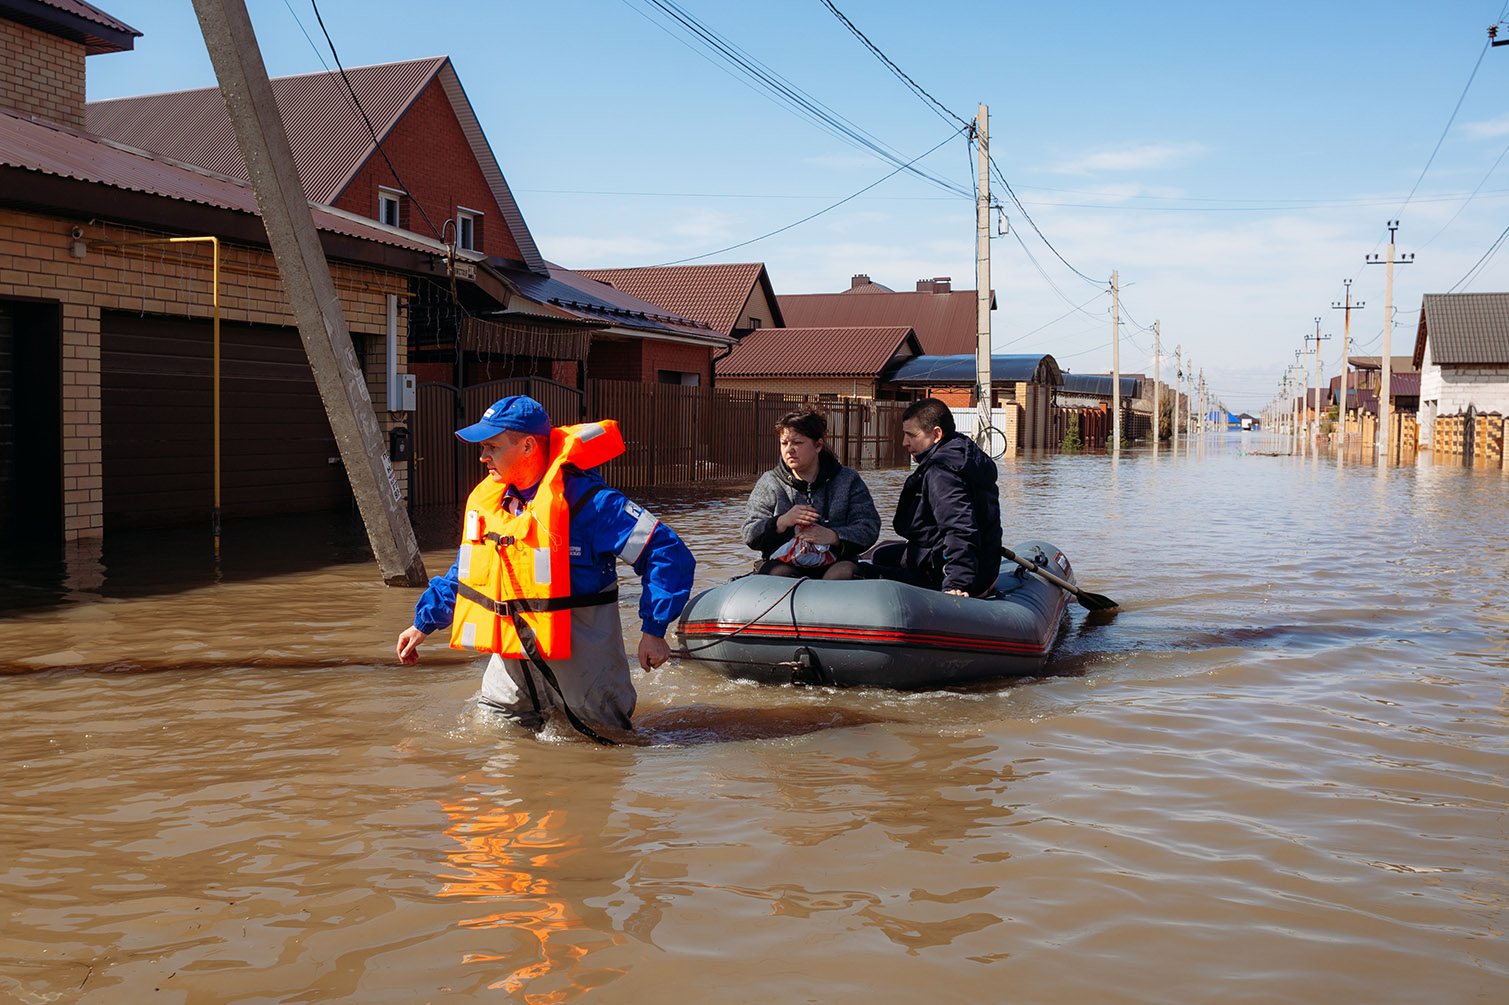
(1473, 438)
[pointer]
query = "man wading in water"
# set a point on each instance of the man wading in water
(535, 583)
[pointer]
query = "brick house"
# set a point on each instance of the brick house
(106, 330)
(1022, 386)
(1462, 352)
(439, 178)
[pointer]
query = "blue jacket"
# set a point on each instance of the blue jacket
(609, 527)
(950, 514)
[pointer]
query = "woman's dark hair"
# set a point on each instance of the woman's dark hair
(809, 422)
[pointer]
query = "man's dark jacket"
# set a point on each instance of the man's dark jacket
(950, 515)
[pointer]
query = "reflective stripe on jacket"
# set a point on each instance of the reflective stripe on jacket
(512, 566)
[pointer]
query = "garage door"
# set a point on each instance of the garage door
(278, 454)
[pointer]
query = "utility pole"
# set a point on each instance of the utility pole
(1346, 341)
(1115, 362)
(1178, 390)
(985, 417)
(1157, 373)
(1318, 340)
(1302, 421)
(233, 50)
(1385, 401)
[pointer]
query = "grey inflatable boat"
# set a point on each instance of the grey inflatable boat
(875, 633)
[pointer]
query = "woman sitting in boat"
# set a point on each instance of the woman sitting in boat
(809, 515)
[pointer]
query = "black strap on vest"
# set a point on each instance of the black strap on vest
(537, 605)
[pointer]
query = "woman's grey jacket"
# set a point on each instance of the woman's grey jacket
(837, 493)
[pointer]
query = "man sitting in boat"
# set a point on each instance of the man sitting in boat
(949, 510)
(809, 516)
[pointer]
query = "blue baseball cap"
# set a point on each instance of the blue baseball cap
(516, 413)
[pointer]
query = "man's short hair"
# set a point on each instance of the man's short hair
(930, 412)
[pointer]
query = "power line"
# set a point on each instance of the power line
(1492, 250)
(1001, 177)
(916, 88)
(376, 142)
(1449, 121)
(782, 90)
(813, 216)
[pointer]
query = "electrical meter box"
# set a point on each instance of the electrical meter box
(408, 396)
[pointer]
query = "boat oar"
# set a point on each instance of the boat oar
(1089, 601)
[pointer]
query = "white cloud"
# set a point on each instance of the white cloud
(1487, 129)
(1130, 158)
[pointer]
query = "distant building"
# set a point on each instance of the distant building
(945, 320)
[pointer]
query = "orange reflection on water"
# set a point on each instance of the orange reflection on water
(516, 856)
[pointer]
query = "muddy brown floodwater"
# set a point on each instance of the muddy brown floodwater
(1277, 775)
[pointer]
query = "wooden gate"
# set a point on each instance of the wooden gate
(445, 469)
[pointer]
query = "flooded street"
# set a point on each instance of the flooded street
(1277, 775)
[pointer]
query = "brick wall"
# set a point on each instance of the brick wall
(41, 74)
(656, 355)
(438, 171)
(170, 280)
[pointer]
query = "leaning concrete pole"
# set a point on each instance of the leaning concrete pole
(306, 278)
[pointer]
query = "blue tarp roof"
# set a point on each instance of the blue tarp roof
(1100, 384)
(961, 369)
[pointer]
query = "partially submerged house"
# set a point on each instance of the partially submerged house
(1462, 352)
(106, 328)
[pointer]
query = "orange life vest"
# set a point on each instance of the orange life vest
(515, 569)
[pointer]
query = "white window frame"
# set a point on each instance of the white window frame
(466, 228)
(390, 195)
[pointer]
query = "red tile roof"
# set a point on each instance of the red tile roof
(714, 295)
(945, 322)
(329, 139)
(34, 145)
(818, 352)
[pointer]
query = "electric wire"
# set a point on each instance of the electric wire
(1481, 262)
(1452, 118)
(785, 92)
(812, 216)
(939, 108)
(378, 143)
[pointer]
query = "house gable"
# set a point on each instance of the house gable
(333, 148)
(727, 298)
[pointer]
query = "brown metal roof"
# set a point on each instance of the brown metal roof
(1397, 364)
(714, 295)
(1464, 328)
(49, 148)
(326, 132)
(74, 20)
(330, 141)
(945, 323)
(818, 352)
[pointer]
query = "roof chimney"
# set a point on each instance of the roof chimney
(938, 284)
(858, 281)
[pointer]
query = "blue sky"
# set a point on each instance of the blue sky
(1233, 163)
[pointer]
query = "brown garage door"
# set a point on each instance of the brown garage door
(156, 402)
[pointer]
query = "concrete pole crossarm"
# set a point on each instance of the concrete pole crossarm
(233, 50)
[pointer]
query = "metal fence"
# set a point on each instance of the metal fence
(675, 436)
